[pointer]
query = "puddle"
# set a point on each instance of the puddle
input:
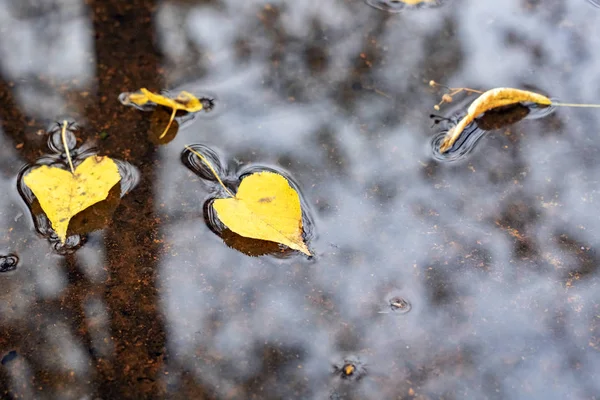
(430, 279)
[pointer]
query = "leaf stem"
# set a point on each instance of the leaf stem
(63, 135)
(576, 105)
(205, 161)
(169, 124)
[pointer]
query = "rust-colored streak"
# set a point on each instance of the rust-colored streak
(127, 59)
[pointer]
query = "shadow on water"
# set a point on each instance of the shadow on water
(431, 279)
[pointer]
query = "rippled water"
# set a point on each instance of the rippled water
(430, 279)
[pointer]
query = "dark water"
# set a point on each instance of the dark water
(430, 280)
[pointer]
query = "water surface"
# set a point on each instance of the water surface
(496, 254)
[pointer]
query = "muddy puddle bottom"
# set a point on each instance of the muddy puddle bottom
(428, 279)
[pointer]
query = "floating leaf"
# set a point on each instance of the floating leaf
(265, 207)
(490, 100)
(507, 103)
(185, 101)
(62, 194)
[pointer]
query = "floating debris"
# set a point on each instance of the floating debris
(350, 368)
(400, 305)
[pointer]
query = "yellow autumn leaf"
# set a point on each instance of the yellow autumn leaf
(185, 101)
(489, 100)
(63, 194)
(265, 207)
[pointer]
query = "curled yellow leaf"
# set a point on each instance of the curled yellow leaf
(185, 101)
(489, 100)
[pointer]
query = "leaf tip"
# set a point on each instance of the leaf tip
(305, 250)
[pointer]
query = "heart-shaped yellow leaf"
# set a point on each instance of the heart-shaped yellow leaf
(63, 194)
(265, 207)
